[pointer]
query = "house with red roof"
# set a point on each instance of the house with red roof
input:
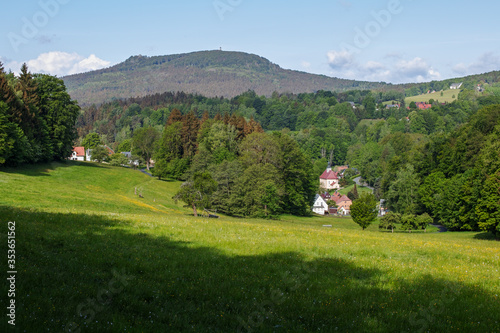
(342, 202)
(423, 106)
(329, 180)
(344, 205)
(78, 154)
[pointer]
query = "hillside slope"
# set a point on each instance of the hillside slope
(209, 73)
(93, 256)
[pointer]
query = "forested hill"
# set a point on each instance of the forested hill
(209, 73)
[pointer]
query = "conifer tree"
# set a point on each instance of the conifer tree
(175, 116)
(190, 128)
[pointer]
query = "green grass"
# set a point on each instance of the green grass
(361, 189)
(446, 98)
(90, 253)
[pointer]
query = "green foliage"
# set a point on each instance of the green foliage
(364, 210)
(125, 146)
(389, 221)
(37, 118)
(488, 207)
(13, 143)
(143, 143)
(409, 222)
(99, 154)
(424, 220)
(403, 192)
(91, 141)
(353, 195)
(248, 198)
(196, 193)
(118, 159)
(271, 201)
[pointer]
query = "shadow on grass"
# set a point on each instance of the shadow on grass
(487, 236)
(101, 274)
(44, 169)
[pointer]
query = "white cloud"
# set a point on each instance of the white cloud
(485, 63)
(393, 69)
(416, 69)
(340, 59)
(61, 63)
(91, 63)
(306, 64)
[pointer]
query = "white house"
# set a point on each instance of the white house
(320, 206)
(78, 154)
(456, 85)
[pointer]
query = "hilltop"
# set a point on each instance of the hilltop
(209, 73)
(226, 74)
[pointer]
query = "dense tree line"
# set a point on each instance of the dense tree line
(255, 174)
(399, 151)
(453, 176)
(37, 118)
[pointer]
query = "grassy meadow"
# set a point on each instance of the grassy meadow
(446, 98)
(92, 256)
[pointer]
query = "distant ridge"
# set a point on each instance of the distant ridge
(226, 74)
(208, 73)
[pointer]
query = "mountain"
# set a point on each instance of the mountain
(209, 73)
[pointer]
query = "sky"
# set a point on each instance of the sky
(394, 41)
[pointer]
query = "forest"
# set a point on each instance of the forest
(261, 156)
(442, 161)
(37, 118)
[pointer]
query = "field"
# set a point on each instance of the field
(91, 256)
(446, 98)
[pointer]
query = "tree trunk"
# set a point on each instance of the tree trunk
(392, 230)
(147, 164)
(194, 210)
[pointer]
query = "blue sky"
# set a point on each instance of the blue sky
(382, 40)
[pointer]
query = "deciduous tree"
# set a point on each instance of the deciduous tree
(196, 193)
(364, 210)
(144, 143)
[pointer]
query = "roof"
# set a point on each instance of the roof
(110, 151)
(423, 106)
(336, 196)
(80, 151)
(326, 195)
(344, 198)
(329, 174)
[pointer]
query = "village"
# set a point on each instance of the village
(330, 202)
